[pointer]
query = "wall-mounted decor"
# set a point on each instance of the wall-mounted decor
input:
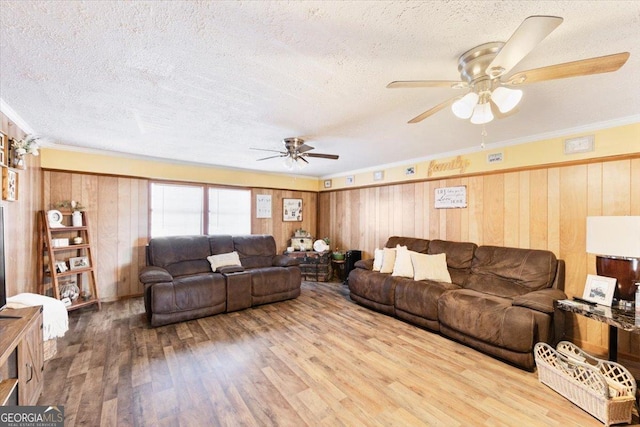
(263, 206)
(495, 157)
(599, 289)
(19, 148)
(350, 180)
(378, 175)
(581, 144)
(451, 197)
(327, 183)
(410, 170)
(9, 185)
(4, 149)
(292, 209)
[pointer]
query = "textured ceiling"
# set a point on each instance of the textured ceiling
(203, 81)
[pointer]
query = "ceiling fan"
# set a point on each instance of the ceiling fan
(295, 152)
(483, 71)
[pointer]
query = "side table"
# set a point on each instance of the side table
(338, 268)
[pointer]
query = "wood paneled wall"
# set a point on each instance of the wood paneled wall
(543, 208)
(20, 221)
(118, 209)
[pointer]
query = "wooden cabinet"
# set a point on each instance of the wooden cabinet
(21, 356)
(66, 259)
(315, 266)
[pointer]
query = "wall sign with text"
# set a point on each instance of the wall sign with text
(451, 197)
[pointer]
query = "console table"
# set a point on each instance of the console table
(21, 356)
(614, 317)
(315, 266)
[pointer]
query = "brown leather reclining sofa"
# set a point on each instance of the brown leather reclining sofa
(500, 301)
(179, 283)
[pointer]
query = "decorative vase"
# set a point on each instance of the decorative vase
(76, 219)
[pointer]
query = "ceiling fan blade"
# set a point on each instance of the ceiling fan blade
(304, 148)
(265, 149)
(434, 110)
(455, 84)
(272, 157)
(303, 159)
(528, 35)
(323, 156)
(584, 67)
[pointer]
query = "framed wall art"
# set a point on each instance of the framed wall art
(599, 289)
(9, 185)
(292, 209)
(79, 262)
(4, 149)
(263, 206)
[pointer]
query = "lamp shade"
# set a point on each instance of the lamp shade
(463, 107)
(482, 114)
(506, 99)
(614, 236)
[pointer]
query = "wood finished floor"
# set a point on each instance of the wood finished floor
(317, 360)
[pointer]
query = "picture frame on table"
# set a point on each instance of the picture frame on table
(78, 263)
(599, 289)
(291, 210)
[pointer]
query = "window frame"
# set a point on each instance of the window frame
(205, 202)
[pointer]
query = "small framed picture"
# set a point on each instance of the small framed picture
(4, 149)
(327, 183)
(599, 289)
(9, 185)
(350, 180)
(61, 266)
(292, 209)
(378, 175)
(78, 263)
(410, 170)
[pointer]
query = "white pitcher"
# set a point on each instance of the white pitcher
(76, 219)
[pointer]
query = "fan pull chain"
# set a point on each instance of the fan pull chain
(483, 134)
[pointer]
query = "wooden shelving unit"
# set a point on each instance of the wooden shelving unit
(50, 277)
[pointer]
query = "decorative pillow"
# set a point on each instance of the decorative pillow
(388, 260)
(403, 266)
(223, 260)
(430, 267)
(377, 259)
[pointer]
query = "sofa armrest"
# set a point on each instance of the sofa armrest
(285, 261)
(541, 300)
(153, 274)
(367, 264)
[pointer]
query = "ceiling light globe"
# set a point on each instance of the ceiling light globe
(482, 114)
(506, 99)
(463, 107)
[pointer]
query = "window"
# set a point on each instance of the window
(176, 209)
(183, 209)
(229, 211)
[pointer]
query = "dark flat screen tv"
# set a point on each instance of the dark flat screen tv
(3, 284)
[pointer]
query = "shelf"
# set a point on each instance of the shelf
(79, 303)
(67, 228)
(70, 247)
(75, 271)
(6, 389)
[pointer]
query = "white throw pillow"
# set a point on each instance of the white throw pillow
(377, 259)
(403, 266)
(223, 260)
(388, 260)
(430, 267)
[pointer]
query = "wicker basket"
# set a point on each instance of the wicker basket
(604, 389)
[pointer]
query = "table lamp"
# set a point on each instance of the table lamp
(615, 240)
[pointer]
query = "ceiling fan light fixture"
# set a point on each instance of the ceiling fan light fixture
(463, 107)
(482, 114)
(506, 99)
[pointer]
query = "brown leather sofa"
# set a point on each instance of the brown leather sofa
(500, 301)
(179, 283)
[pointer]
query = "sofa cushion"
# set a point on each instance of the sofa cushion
(509, 272)
(430, 267)
(378, 254)
(273, 280)
(224, 260)
(413, 244)
(189, 293)
(459, 257)
(255, 250)
(488, 318)
(180, 255)
(373, 286)
(420, 298)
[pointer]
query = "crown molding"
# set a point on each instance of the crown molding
(14, 117)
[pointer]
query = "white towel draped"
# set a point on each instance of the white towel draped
(55, 318)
